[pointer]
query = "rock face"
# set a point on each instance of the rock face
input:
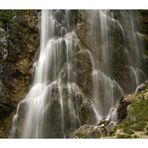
(123, 105)
(87, 131)
(84, 69)
(143, 33)
(74, 115)
(5, 105)
(94, 131)
(132, 114)
(134, 125)
(75, 111)
(18, 43)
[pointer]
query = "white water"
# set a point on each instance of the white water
(133, 49)
(53, 53)
(106, 89)
(58, 48)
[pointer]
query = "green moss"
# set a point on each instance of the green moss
(137, 115)
(86, 135)
(5, 126)
(7, 15)
(82, 135)
(146, 129)
(20, 30)
(126, 126)
(124, 136)
(139, 126)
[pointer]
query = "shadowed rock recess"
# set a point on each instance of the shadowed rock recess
(73, 74)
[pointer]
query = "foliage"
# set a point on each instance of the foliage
(137, 118)
(7, 15)
(124, 136)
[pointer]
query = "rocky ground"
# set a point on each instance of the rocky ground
(133, 120)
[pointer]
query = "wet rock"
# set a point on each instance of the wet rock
(142, 86)
(111, 127)
(104, 122)
(82, 29)
(103, 129)
(87, 113)
(5, 107)
(4, 110)
(87, 131)
(18, 43)
(74, 103)
(63, 31)
(3, 93)
(66, 110)
(93, 131)
(122, 108)
(3, 45)
(6, 75)
(84, 72)
(136, 117)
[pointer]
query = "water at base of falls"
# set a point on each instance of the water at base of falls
(51, 109)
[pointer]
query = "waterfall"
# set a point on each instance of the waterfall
(55, 50)
(113, 38)
(53, 106)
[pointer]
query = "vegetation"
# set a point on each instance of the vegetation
(137, 118)
(19, 40)
(19, 36)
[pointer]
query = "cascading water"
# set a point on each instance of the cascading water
(133, 48)
(53, 107)
(55, 51)
(105, 30)
(106, 91)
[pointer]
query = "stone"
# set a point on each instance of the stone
(142, 86)
(122, 109)
(84, 72)
(87, 131)
(18, 41)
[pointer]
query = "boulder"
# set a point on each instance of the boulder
(87, 131)
(142, 86)
(94, 131)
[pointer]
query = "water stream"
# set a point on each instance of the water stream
(49, 109)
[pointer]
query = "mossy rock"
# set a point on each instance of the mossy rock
(137, 115)
(87, 131)
(124, 136)
(5, 126)
(19, 36)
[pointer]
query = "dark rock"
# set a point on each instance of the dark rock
(5, 106)
(104, 122)
(91, 131)
(104, 128)
(142, 86)
(18, 41)
(122, 109)
(87, 131)
(4, 110)
(111, 127)
(3, 94)
(84, 72)
(76, 108)
(6, 75)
